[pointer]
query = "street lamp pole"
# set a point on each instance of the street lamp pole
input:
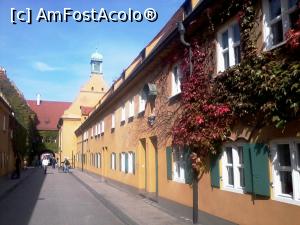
(81, 150)
(181, 30)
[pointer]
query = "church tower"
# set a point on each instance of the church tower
(96, 63)
(86, 101)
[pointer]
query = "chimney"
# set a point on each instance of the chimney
(38, 99)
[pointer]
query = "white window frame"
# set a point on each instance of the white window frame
(130, 162)
(229, 49)
(102, 126)
(96, 129)
(113, 161)
(236, 187)
(123, 113)
(178, 165)
(99, 128)
(92, 132)
(131, 108)
(123, 159)
(294, 168)
(85, 135)
(267, 22)
(113, 121)
(142, 101)
(99, 160)
(176, 80)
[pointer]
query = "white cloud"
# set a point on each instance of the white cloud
(44, 67)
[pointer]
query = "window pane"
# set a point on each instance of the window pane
(236, 33)
(176, 155)
(292, 3)
(225, 39)
(241, 156)
(242, 178)
(277, 32)
(293, 18)
(178, 169)
(286, 182)
(275, 8)
(230, 175)
(229, 155)
(226, 59)
(97, 67)
(284, 158)
(237, 54)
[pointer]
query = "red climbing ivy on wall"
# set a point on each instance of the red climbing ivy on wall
(202, 123)
(264, 88)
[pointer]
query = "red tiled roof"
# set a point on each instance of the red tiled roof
(48, 113)
(85, 111)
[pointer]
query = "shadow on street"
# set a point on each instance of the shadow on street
(17, 207)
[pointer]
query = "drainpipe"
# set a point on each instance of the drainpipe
(181, 30)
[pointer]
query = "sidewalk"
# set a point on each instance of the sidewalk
(131, 209)
(7, 185)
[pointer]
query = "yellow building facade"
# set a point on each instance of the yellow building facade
(127, 138)
(89, 96)
(6, 129)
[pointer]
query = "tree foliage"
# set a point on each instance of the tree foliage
(25, 125)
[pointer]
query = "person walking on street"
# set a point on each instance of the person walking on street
(45, 163)
(53, 162)
(16, 173)
(66, 165)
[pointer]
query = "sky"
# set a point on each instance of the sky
(53, 59)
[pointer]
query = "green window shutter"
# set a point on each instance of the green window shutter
(215, 170)
(126, 162)
(256, 166)
(188, 171)
(133, 162)
(169, 162)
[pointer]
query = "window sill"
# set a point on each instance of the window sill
(235, 190)
(182, 181)
(275, 46)
(287, 200)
